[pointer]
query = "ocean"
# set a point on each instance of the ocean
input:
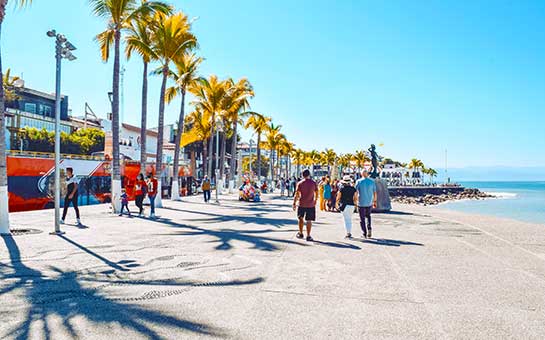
(524, 201)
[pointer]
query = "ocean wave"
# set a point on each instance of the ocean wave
(502, 194)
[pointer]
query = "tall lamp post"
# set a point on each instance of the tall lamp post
(63, 50)
(219, 128)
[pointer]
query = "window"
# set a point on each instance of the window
(45, 110)
(30, 107)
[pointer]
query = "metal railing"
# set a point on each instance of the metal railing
(37, 154)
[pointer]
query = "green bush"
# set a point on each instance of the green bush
(81, 142)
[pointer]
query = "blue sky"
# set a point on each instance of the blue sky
(418, 76)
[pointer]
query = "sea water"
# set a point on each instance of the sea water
(524, 201)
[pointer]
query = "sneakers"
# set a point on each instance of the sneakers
(370, 234)
(79, 224)
(309, 238)
(363, 235)
(299, 235)
(61, 222)
(348, 235)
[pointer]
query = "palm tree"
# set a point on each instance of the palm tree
(258, 123)
(273, 139)
(416, 164)
(186, 65)
(432, 173)
(209, 98)
(172, 38)
(285, 149)
(298, 156)
(360, 157)
(236, 105)
(139, 40)
(4, 211)
(200, 130)
(119, 14)
(329, 158)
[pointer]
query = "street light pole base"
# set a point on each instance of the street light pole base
(57, 233)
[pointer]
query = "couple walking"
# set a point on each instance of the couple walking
(363, 195)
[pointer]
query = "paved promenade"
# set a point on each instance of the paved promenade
(237, 271)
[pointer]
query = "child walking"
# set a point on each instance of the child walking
(124, 203)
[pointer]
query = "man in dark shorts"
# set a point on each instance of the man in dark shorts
(304, 200)
(71, 195)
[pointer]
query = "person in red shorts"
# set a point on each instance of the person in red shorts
(306, 194)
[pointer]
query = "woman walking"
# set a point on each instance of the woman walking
(346, 201)
(140, 189)
(326, 194)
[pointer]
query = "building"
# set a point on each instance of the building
(34, 109)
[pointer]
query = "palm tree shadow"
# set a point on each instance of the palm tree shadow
(225, 237)
(63, 296)
(390, 243)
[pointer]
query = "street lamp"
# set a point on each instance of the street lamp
(219, 128)
(63, 50)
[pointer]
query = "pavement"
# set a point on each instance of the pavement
(236, 271)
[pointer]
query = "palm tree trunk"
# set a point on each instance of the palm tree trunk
(272, 165)
(160, 135)
(258, 156)
(223, 141)
(211, 149)
(144, 121)
(204, 157)
(4, 204)
(234, 142)
(175, 192)
(116, 173)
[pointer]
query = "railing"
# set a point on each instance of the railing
(37, 154)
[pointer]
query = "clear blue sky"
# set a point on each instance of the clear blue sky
(418, 76)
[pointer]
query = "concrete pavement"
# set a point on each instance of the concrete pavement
(237, 271)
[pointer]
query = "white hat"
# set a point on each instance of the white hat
(347, 179)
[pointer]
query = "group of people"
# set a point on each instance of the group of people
(345, 196)
(142, 188)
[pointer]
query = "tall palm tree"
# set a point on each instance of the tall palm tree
(4, 210)
(329, 158)
(236, 105)
(200, 130)
(209, 98)
(285, 149)
(185, 75)
(139, 39)
(172, 38)
(258, 123)
(416, 164)
(298, 156)
(119, 15)
(273, 138)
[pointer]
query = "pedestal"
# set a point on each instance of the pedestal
(383, 196)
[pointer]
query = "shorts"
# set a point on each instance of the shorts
(309, 214)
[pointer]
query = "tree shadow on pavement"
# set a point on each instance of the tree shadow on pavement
(390, 243)
(340, 245)
(224, 237)
(247, 219)
(55, 304)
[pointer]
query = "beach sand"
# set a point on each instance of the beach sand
(237, 271)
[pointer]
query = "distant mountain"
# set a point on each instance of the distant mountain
(500, 173)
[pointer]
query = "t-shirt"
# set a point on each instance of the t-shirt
(347, 195)
(71, 182)
(206, 184)
(152, 186)
(366, 187)
(327, 191)
(307, 188)
(140, 188)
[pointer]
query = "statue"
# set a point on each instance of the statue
(374, 161)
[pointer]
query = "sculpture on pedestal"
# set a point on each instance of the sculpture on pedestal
(374, 161)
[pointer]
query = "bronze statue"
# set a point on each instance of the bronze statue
(374, 161)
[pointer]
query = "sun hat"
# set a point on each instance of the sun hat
(347, 179)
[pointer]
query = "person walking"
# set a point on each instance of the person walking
(71, 195)
(282, 187)
(321, 193)
(140, 189)
(304, 200)
(326, 194)
(124, 203)
(152, 193)
(367, 199)
(205, 186)
(346, 201)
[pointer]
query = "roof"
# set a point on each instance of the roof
(50, 96)
(137, 129)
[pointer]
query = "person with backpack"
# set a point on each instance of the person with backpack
(140, 190)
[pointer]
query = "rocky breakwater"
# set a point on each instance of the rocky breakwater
(430, 199)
